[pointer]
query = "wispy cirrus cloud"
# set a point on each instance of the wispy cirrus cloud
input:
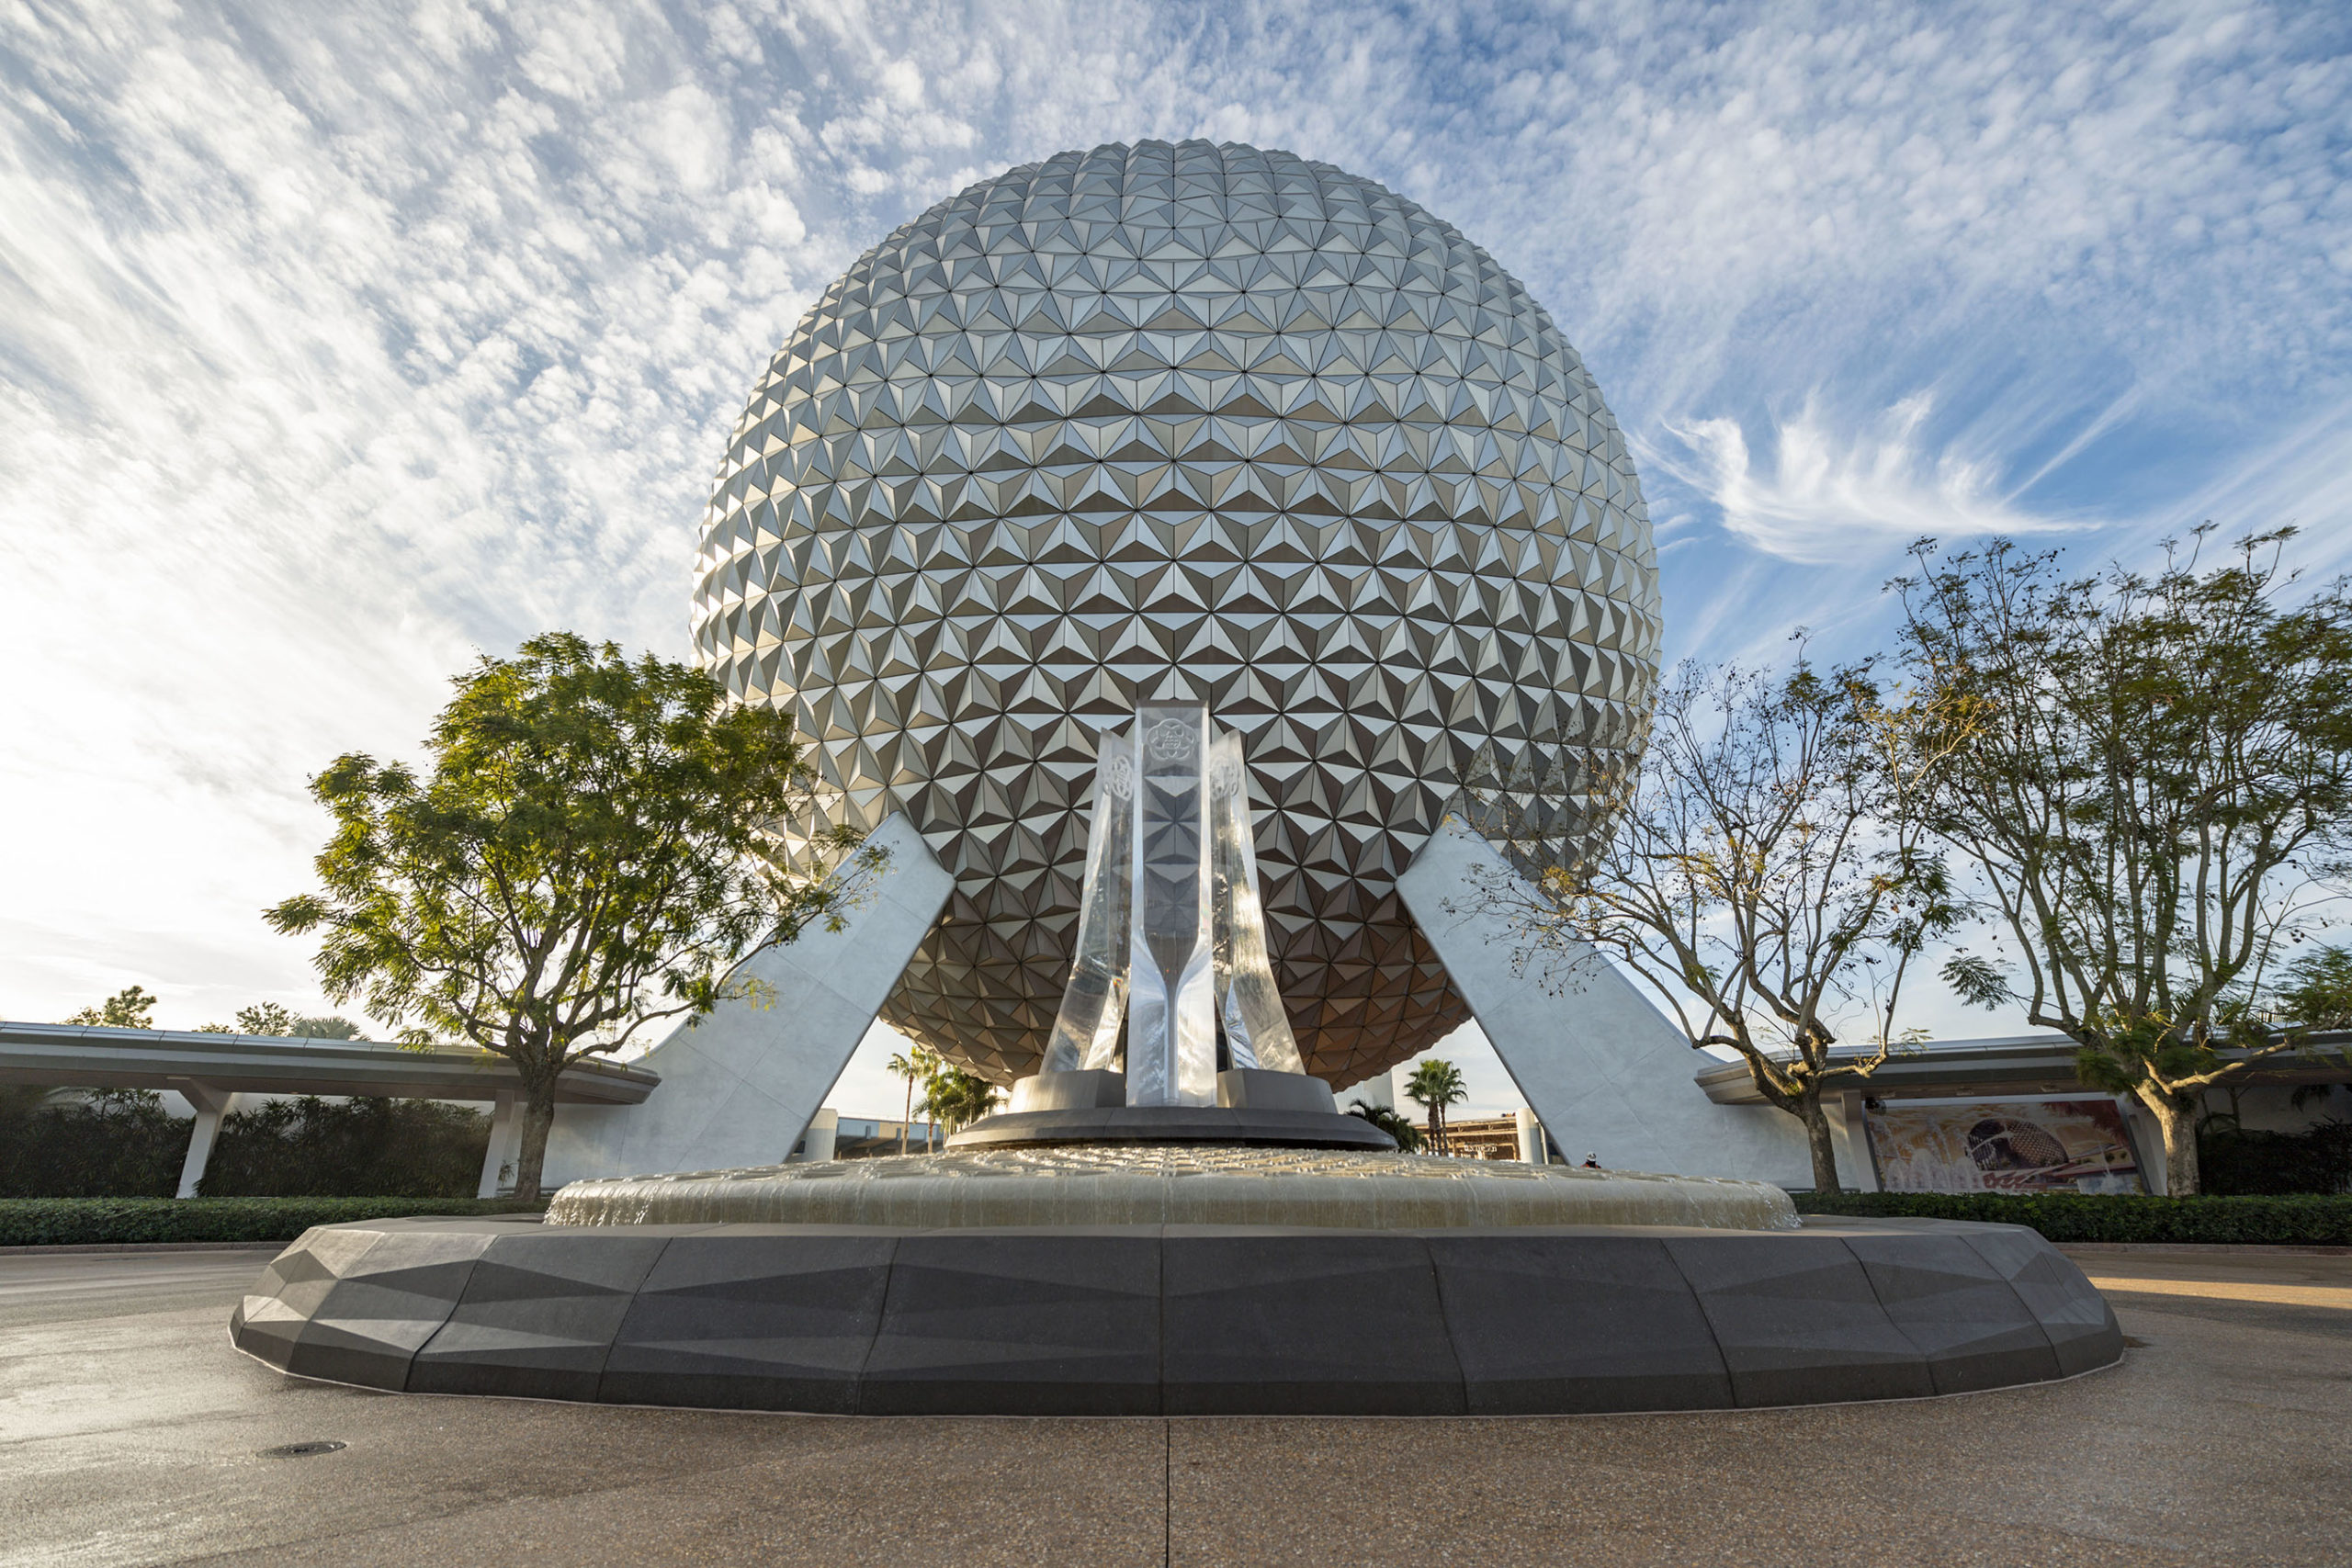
(340, 340)
(1827, 496)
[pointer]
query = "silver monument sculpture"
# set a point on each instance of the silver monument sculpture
(1171, 938)
(1163, 423)
(1113, 442)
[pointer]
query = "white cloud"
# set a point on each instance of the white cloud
(2301, 478)
(1827, 495)
(335, 343)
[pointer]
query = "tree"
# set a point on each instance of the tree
(2155, 793)
(2316, 990)
(264, 1018)
(130, 1008)
(1408, 1136)
(1771, 880)
(590, 853)
(955, 1098)
(273, 1019)
(1433, 1085)
(916, 1061)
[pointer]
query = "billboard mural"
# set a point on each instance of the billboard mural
(2004, 1146)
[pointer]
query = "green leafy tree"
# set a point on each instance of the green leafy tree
(2156, 791)
(590, 854)
(272, 1019)
(132, 1007)
(1433, 1085)
(1408, 1136)
(915, 1063)
(1771, 879)
(2315, 991)
(264, 1018)
(957, 1098)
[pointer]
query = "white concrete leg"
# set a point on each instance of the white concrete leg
(819, 1141)
(210, 1105)
(739, 1085)
(1530, 1138)
(505, 1137)
(1852, 1132)
(1601, 1065)
(1378, 1091)
(2148, 1141)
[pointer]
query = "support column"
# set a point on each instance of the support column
(819, 1142)
(2147, 1143)
(1592, 1056)
(1378, 1091)
(1531, 1148)
(211, 1104)
(1851, 1130)
(739, 1085)
(506, 1134)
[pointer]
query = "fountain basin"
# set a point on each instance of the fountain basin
(1175, 1320)
(1175, 1184)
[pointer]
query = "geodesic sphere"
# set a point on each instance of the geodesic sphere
(1180, 422)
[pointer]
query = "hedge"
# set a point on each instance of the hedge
(2302, 1220)
(311, 1147)
(123, 1144)
(2232, 1159)
(69, 1222)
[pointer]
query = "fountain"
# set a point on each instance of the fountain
(1172, 1217)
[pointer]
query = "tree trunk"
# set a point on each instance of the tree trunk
(2179, 1122)
(907, 1123)
(538, 1117)
(1817, 1139)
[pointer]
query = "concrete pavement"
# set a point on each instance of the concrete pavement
(130, 1433)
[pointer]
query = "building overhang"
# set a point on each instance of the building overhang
(66, 1055)
(2013, 1066)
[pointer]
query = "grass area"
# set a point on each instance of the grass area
(2303, 1220)
(70, 1222)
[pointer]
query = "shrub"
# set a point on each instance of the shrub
(66, 1222)
(112, 1143)
(2304, 1220)
(316, 1148)
(123, 1144)
(2235, 1160)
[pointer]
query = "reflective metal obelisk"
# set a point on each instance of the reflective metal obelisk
(1171, 940)
(1094, 1003)
(1256, 1029)
(1172, 973)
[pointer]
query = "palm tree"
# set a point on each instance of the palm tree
(957, 1098)
(1434, 1086)
(914, 1062)
(1408, 1136)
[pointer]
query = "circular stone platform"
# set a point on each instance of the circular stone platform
(1173, 1124)
(1177, 1320)
(1175, 1184)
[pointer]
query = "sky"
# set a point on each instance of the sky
(339, 343)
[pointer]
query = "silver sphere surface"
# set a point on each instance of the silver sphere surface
(1184, 421)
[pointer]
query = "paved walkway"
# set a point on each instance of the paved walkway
(130, 1433)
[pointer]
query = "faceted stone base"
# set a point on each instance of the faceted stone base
(1152, 1320)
